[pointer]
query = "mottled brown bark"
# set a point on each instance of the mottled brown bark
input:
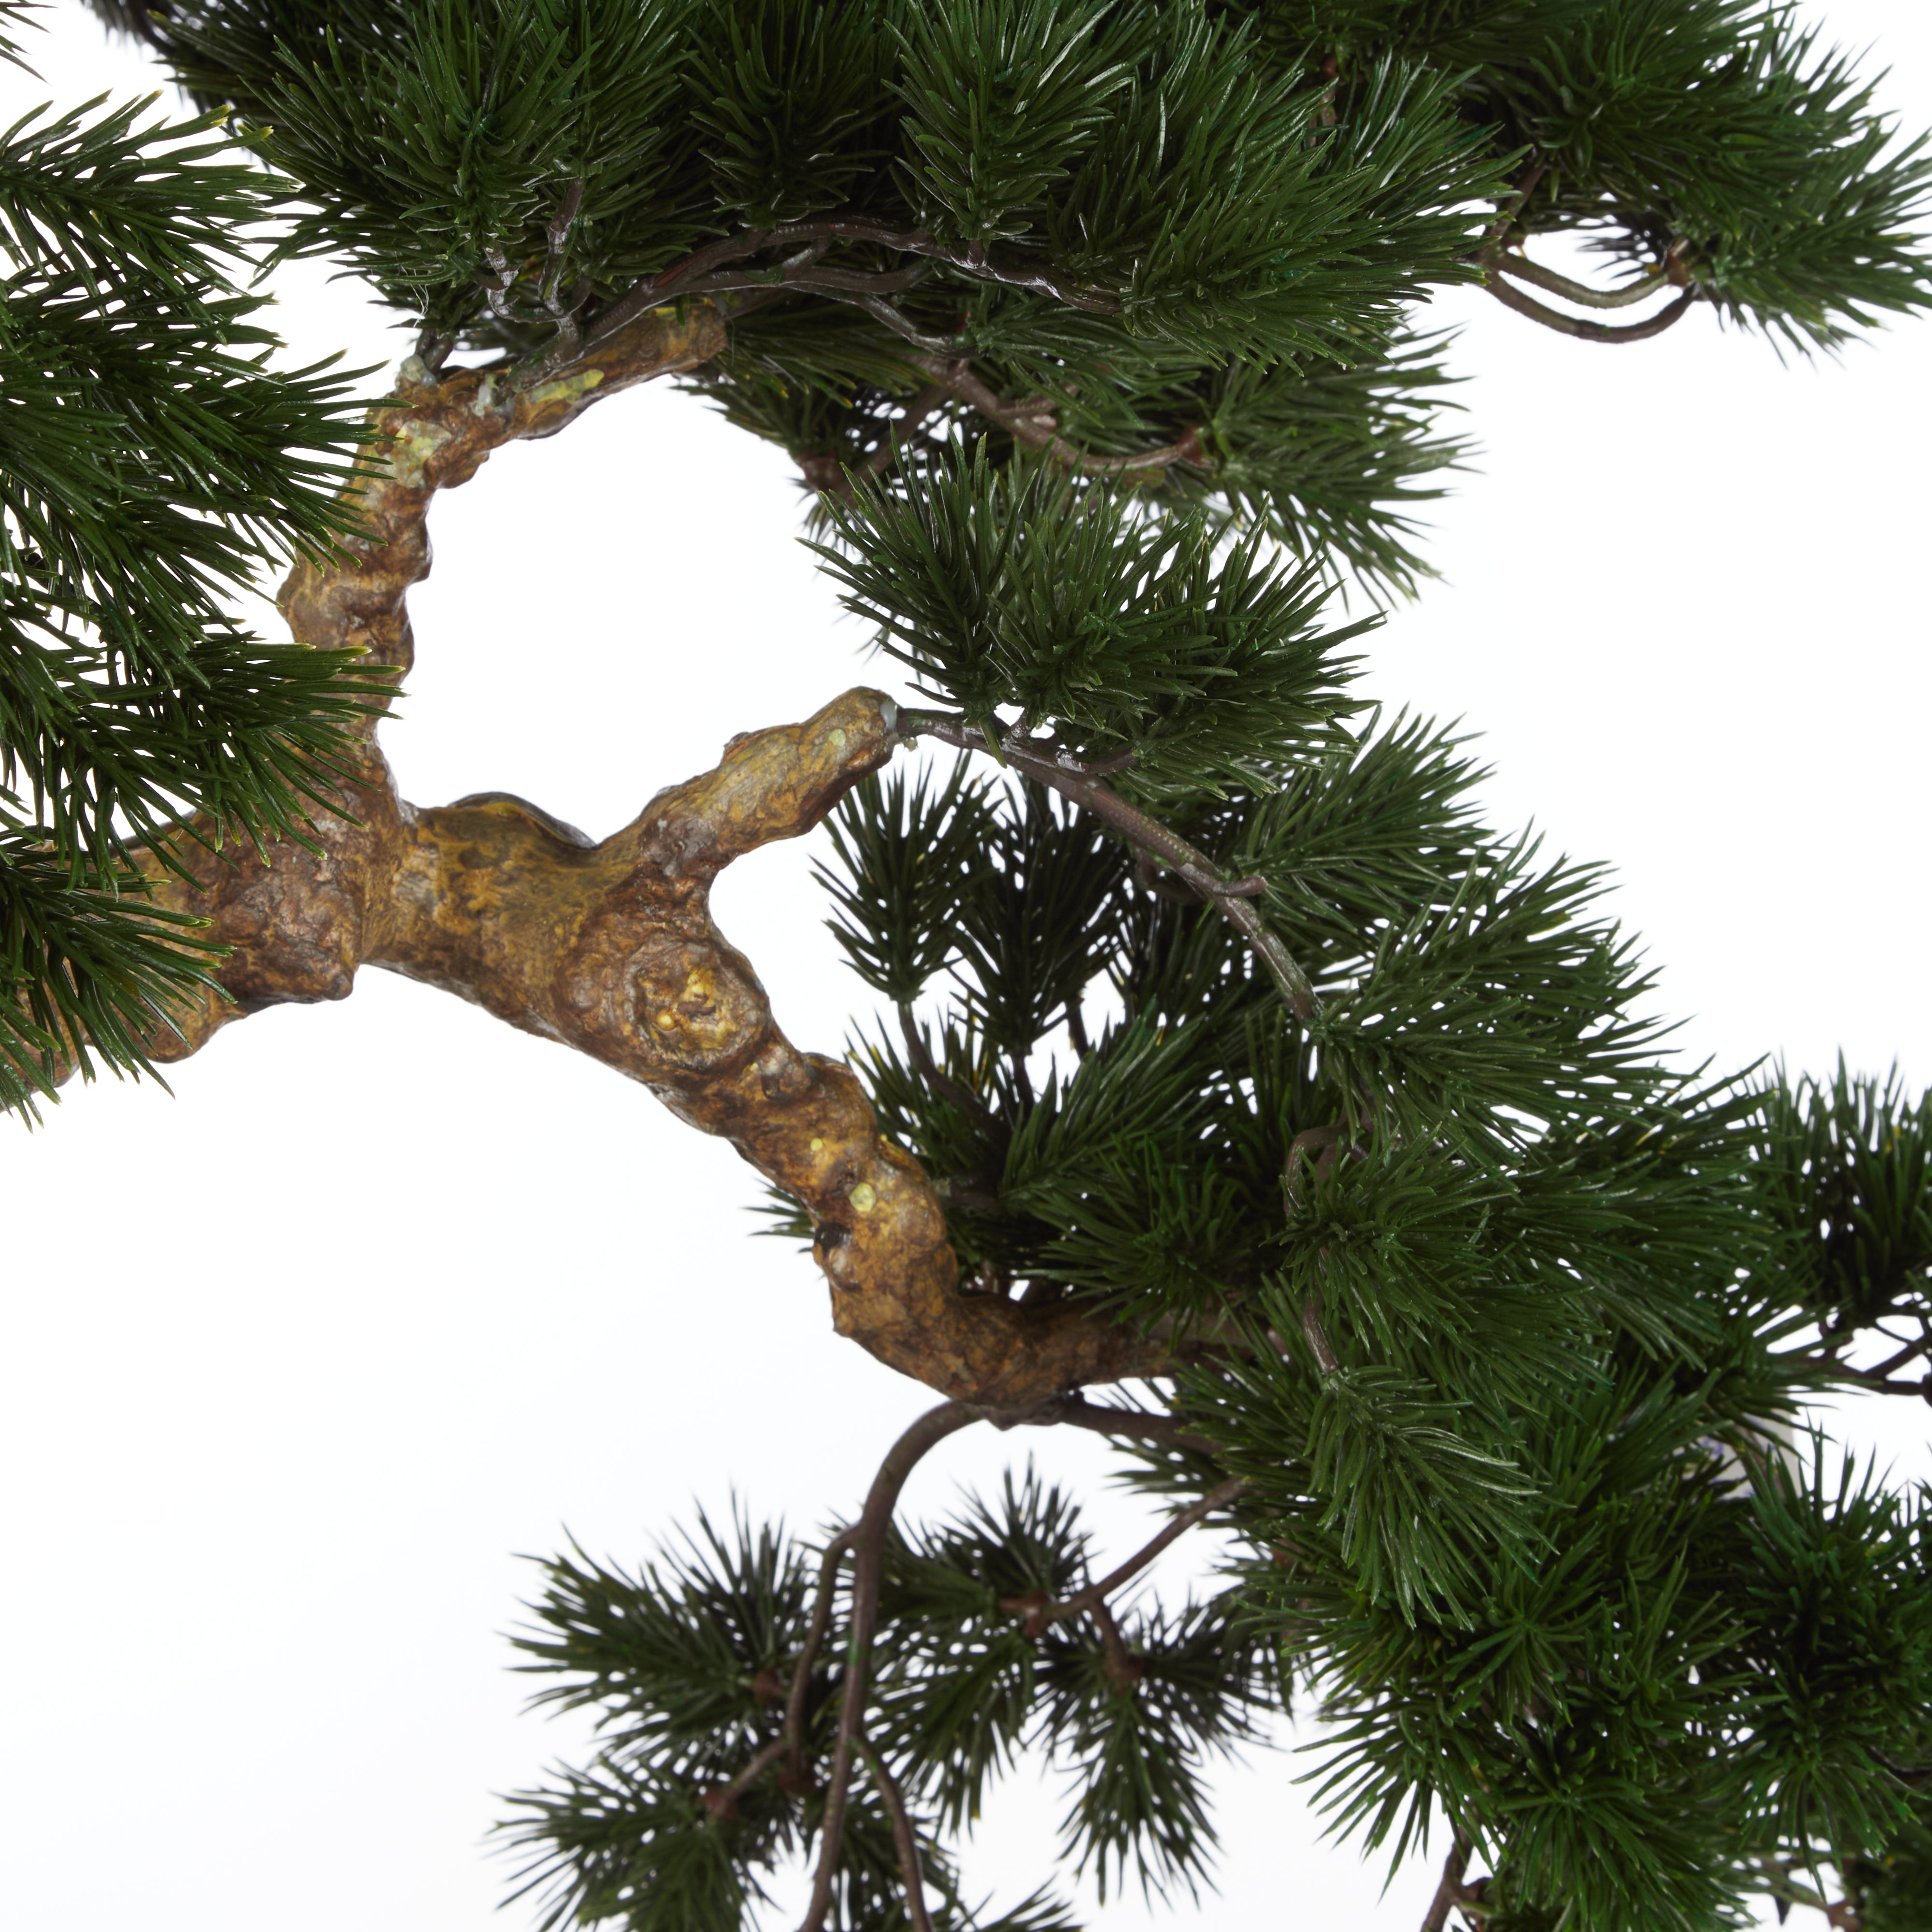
(609, 948)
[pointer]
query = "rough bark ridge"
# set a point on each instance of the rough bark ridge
(609, 948)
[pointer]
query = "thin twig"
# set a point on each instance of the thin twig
(1498, 231)
(679, 278)
(1029, 423)
(494, 292)
(972, 260)
(1128, 1423)
(722, 1800)
(555, 239)
(912, 417)
(1581, 326)
(1040, 1613)
(1123, 1669)
(931, 1430)
(1581, 293)
(1326, 1139)
(1076, 1028)
(814, 1636)
(1229, 895)
(942, 1083)
(912, 1876)
(1904, 1355)
(1317, 1334)
(809, 275)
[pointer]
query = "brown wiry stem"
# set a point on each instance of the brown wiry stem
(1040, 1613)
(722, 1800)
(1034, 425)
(1450, 1892)
(931, 1430)
(610, 947)
(1581, 327)
(793, 1738)
(879, 459)
(905, 1840)
(683, 276)
(1581, 293)
(1080, 785)
(1104, 1419)
(941, 1082)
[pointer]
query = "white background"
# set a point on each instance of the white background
(415, 1291)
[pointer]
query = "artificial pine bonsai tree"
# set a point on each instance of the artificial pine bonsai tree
(1223, 1051)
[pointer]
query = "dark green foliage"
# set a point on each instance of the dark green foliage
(687, 1664)
(150, 464)
(83, 960)
(1130, 635)
(1849, 1167)
(1077, 313)
(1716, 128)
(1509, 1312)
(1893, 1893)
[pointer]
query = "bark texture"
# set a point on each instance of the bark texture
(609, 948)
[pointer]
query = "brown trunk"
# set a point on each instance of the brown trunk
(611, 948)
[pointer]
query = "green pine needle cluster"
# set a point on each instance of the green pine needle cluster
(151, 465)
(688, 1662)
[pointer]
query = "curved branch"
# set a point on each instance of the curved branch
(682, 277)
(1124, 1424)
(931, 1430)
(1585, 296)
(1040, 1613)
(911, 1876)
(1230, 896)
(1584, 330)
(609, 948)
(1034, 427)
(793, 1736)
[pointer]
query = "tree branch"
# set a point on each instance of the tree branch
(942, 1083)
(1585, 296)
(1580, 326)
(1230, 896)
(903, 1838)
(1034, 427)
(1104, 1419)
(814, 1636)
(1451, 1891)
(1040, 1613)
(680, 278)
(609, 948)
(931, 1430)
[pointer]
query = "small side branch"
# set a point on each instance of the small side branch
(797, 1764)
(904, 1839)
(1039, 1612)
(1584, 330)
(1034, 425)
(1128, 1424)
(1452, 1891)
(1231, 897)
(1581, 293)
(943, 1083)
(931, 1430)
